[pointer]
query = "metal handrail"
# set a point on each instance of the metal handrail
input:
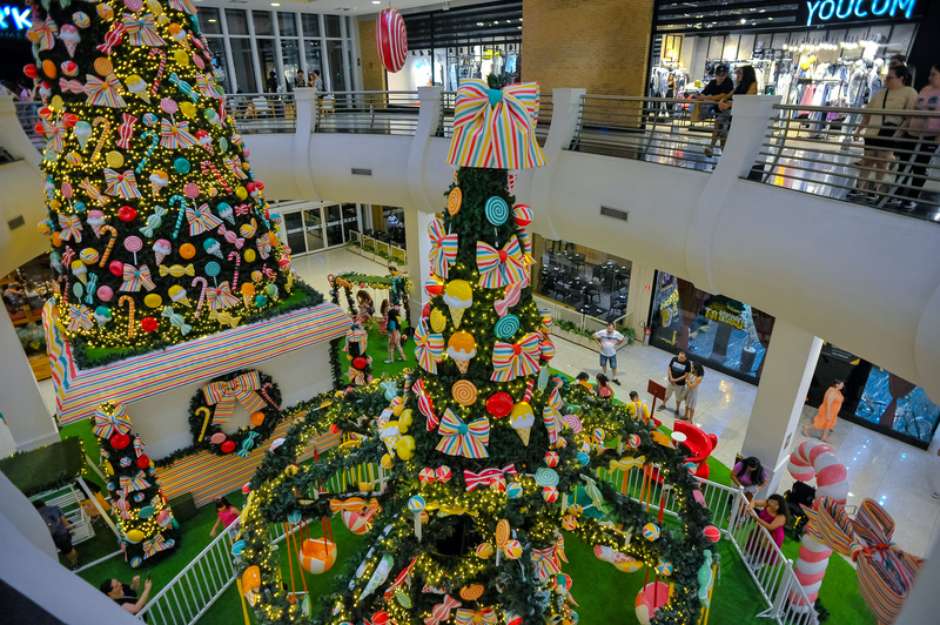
(393, 252)
(263, 112)
(804, 150)
(369, 112)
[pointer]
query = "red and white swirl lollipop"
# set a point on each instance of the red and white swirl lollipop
(391, 39)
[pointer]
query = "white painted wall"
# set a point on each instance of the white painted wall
(163, 420)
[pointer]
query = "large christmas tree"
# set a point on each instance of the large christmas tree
(160, 231)
(489, 456)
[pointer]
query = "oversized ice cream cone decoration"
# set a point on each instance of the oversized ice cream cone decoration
(458, 294)
(522, 418)
(462, 347)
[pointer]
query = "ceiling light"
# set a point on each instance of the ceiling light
(376, 1)
(212, 20)
(275, 4)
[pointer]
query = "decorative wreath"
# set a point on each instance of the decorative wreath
(214, 404)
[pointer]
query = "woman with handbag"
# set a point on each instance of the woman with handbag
(881, 131)
(922, 138)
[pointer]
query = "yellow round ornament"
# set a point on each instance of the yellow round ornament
(114, 159)
(181, 58)
(250, 255)
(387, 461)
(438, 320)
(152, 300)
(57, 103)
(135, 536)
(188, 109)
(454, 201)
(241, 192)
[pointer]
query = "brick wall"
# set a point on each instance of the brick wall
(373, 73)
(602, 45)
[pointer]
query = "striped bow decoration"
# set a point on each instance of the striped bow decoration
(54, 133)
(135, 278)
(121, 184)
(551, 415)
(495, 128)
(440, 613)
(493, 476)
(224, 394)
(512, 360)
(70, 228)
(42, 33)
(104, 91)
(545, 562)
(483, 616)
(510, 298)
(155, 545)
(443, 248)
(425, 405)
(142, 30)
(175, 135)
(208, 87)
(106, 424)
(122, 506)
(201, 219)
(80, 318)
(221, 297)
(499, 268)
(132, 484)
(429, 347)
(463, 439)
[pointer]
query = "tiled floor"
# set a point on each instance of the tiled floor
(894, 474)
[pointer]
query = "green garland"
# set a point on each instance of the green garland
(200, 412)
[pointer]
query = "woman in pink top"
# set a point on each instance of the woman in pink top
(226, 512)
(920, 140)
(772, 515)
(603, 387)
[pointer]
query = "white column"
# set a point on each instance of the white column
(788, 370)
(20, 401)
(639, 296)
(305, 104)
(921, 605)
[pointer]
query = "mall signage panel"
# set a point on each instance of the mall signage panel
(14, 20)
(829, 12)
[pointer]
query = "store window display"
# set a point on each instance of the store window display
(725, 334)
(24, 293)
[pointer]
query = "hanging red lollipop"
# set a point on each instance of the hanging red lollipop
(391, 39)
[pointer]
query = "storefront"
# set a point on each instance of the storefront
(15, 20)
(446, 47)
(875, 398)
(252, 45)
(722, 333)
(812, 52)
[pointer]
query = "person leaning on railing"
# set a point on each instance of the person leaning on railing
(882, 131)
(717, 89)
(745, 84)
(923, 139)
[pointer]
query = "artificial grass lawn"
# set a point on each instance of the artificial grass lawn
(605, 595)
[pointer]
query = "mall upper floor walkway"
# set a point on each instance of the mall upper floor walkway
(766, 220)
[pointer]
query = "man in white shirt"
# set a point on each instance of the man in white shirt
(609, 340)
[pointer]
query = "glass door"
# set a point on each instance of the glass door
(350, 220)
(294, 232)
(313, 229)
(334, 225)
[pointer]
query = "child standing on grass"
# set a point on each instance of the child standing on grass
(226, 513)
(394, 334)
(603, 387)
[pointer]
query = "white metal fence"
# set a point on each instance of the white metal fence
(376, 249)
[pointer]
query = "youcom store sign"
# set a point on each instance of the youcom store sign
(831, 12)
(14, 20)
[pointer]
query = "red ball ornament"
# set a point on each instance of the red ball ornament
(149, 324)
(499, 404)
(250, 187)
(127, 213)
(116, 268)
(380, 618)
(30, 70)
(40, 128)
(391, 39)
(120, 441)
(712, 534)
(227, 447)
(259, 185)
(45, 112)
(142, 462)
(69, 119)
(359, 362)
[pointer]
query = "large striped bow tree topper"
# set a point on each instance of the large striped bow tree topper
(463, 439)
(495, 128)
(429, 347)
(443, 248)
(224, 394)
(108, 422)
(512, 360)
(500, 268)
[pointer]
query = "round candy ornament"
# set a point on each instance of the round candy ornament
(712, 534)
(119, 441)
(464, 392)
(127, 213)
(496, 210)
(499, 404)
(187, 251)
(506, 327)
(522, 215)
(391, 39)
(651, 532)
(181, 165)
(149, 324)
(152, 300)
(227, 447)
(105, 293)
(454, 201)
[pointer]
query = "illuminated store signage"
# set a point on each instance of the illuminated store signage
(14, 18)
(816, 12)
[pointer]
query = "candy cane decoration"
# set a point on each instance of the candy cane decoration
(234, 255)
(207, 167)
(107, 250)
(205, 422)
(155, 86)
(131, 328)
(105, 135)
(154, 140)
(815, 459)
(202, 293)
(179, 217)
(264, 393)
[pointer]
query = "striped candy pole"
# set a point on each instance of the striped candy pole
(816, 460)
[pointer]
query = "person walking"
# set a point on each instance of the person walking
(881, 132)
(676, 374)
(271, 83)
(60, 529)
(393, 327)
(609, 340)
(920, 141)
(691, 389)
(825, 419)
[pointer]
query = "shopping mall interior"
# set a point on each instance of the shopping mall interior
(368, 312)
